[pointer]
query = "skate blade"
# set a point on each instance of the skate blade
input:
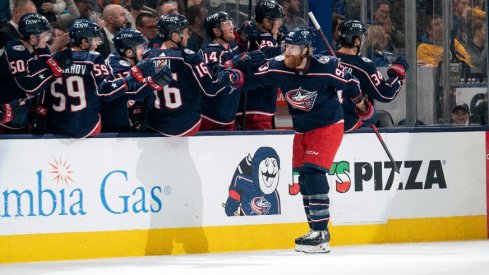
(298, 248)
(322, 248)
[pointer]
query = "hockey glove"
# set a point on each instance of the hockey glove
(143, 69)
(14, 113)
(368, 113)
(39, 125)
(64, 58)
(246, 61)
(231, 77)
(398, 68)
(161, 78)
(54, 67)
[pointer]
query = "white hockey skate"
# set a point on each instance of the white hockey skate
(313, 242)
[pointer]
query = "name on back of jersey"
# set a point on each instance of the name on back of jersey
(78, 69)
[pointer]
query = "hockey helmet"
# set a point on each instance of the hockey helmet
(128, 38)
(270, 9)
(83, 28)
(33, 23)
(349, 30)
(300, 36)
(214, 21)
(169, 23)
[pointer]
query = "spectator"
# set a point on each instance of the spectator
(462, 10)
(84, 8)
(476, 47)
(337, 19)
(65, 19)
(135, 9)
(479, 112)
(196, 16)
(376, 43)
(10, 31)
(50, 8)
(115, 19)
(382, 18)
(460, 115)
(167, 7)
(146, 23)
(430, 51)
(5, 14)
(193, 3)
(292, 9)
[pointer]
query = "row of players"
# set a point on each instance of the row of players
(124, 101)
(325, 96)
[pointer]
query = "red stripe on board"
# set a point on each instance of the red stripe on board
(487, 181)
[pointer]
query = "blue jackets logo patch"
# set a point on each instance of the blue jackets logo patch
(301, 99)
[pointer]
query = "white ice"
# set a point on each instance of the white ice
(466, 258)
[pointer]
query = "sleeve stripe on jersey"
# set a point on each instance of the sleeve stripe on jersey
(274, 71)
(336, 77)
(35, 88)
(373, 85)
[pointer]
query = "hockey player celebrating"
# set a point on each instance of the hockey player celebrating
(27, 69)
(125, 113)
(176, 110)
(71, 102)
(219, 112)
(265, 34)
(309, 85)
(373, 84)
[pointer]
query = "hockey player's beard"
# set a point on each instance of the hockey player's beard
(292, 61)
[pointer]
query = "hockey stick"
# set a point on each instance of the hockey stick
(397, 175)
(318, 28)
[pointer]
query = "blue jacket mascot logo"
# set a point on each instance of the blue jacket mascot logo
(253, 189)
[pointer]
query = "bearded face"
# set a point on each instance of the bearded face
(293, 56)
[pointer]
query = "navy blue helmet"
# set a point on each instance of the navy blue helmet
(128, 38)
(169, 23)
(214, 21)
(270, 9)
(33, 23)
(300, 36)
(83, 28)
(349, 30)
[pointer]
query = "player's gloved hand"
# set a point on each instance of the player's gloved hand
(39, 125)
(143, 69)
(231, 77)
(243, 34)
(161, 78)
(370, 121)
(398, 68)
(54, 67)
(64, 58)
(14, 112)
(246, 61)
(367, 113)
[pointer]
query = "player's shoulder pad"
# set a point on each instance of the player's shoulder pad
(279, 58)
(323, 59)
(188, 51)
(365, 59)
(15, 49)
